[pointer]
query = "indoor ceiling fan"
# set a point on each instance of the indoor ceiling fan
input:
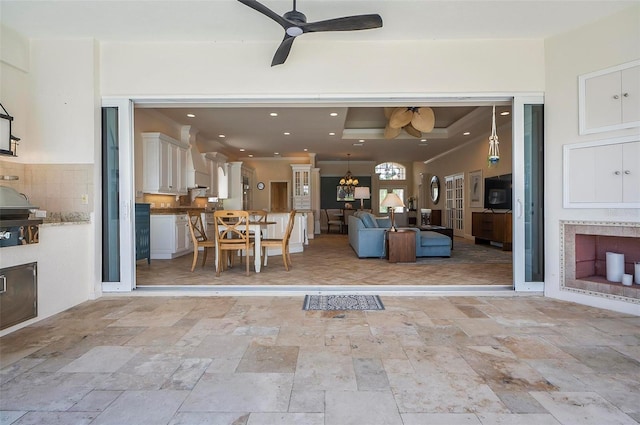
(295, 24)
(413, 119)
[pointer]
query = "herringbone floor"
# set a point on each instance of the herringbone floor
(329, 260)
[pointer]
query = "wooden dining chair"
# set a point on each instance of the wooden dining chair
(232, 235)
(333, 221)
(282, 243)
(199, 237)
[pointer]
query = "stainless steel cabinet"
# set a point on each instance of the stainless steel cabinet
(18, 294)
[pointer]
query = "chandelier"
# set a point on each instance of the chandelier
(348, 182)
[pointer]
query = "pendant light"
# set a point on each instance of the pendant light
(494, 151)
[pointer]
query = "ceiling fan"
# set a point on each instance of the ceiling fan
(413, 119)
(295, 24)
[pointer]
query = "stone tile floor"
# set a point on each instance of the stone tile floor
(263, 360)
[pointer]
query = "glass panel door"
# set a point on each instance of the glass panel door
(454, 203)
(117, 215)
(110, 196)
(528, 187)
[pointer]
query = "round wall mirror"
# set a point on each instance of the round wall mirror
(435, 189)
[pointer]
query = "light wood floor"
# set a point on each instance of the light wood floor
(329, 260)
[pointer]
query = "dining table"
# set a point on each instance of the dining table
(256, 227)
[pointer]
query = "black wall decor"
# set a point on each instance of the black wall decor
(328, 187)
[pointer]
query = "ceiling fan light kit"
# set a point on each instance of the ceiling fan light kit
(295, 23)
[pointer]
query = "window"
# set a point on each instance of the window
(391, 171)
(383, 193)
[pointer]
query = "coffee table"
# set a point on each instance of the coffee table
(448, 231)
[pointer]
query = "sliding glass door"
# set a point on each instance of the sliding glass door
(118, 249)
(528, 187)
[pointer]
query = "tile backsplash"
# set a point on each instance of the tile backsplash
(55, 188)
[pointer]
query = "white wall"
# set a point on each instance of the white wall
(601, 45)
(64, 107)
(14, 68)
(242, 69)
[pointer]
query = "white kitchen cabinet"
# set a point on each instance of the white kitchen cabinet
(602, 174)
(170, 236)
(610, 99)
(301, 186)
(164, 164)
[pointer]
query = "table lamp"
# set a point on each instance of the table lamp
(392, 201)
(362, 193)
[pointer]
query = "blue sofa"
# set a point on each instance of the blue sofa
(367, 238)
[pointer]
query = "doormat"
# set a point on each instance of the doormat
(342, 302)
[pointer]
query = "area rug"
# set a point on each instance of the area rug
(342, 302)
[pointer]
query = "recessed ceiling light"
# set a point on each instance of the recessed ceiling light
(361, 141)
(241, 150)
(466, 133)
(332, 134)
(505, 113)
(306, 150)
(273, 114)
(276, 153)
(334, 114)
(222, 136)
(286, 133)
(423, 140)
(250, 155)
(191, 115)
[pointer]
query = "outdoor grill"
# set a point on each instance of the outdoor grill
(16, 228)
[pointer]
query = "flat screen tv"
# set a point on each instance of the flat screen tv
(498, 192)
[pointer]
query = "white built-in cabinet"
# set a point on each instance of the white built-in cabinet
(170, 237)
(610, 98)
(301, 186)
(299, 235)
(602, 174)
(164, 164)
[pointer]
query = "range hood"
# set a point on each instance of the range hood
(197, 169)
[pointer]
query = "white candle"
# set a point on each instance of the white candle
(615, 266)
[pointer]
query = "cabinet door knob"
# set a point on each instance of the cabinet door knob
(625, 94)
(617, 173)
(627, 172)
(615, 96)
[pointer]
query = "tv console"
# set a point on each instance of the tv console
(491, 226)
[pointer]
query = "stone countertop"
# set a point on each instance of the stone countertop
(175, 210)
(67, 218)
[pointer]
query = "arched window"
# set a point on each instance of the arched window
(391, 171)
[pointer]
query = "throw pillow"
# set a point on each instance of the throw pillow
(368, 220)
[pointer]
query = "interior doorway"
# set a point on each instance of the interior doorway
(279, 196)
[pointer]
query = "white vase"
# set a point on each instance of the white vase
(615, 267)
(637, 272)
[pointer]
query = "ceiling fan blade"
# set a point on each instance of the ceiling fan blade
(423, 119)
(391, 133)
(412, 131)
(347, 23)
(400, 117)
(283, 50)
(266, 11)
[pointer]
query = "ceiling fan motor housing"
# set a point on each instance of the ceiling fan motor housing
(295, 16)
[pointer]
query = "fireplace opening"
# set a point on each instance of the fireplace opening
(591, 254)
(584, 247)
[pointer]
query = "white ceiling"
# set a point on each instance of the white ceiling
(228, 20)
(251, 128)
